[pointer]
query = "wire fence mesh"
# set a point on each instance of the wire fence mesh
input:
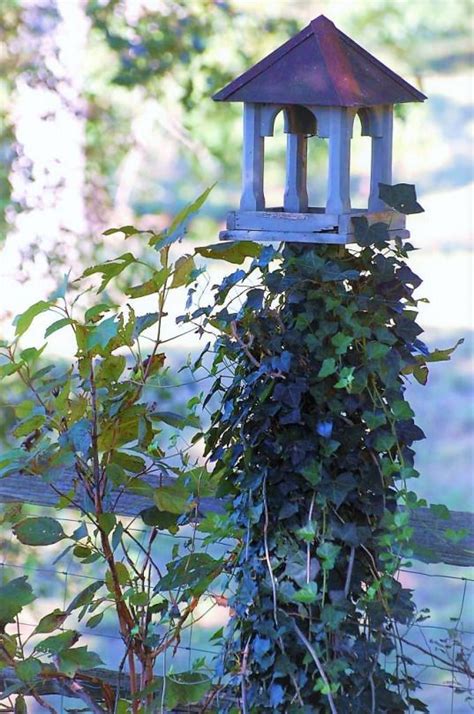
(431, 649)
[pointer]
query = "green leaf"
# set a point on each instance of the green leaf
(440, 511)
(232, 252)
(179, 227)
(100, 335)
(50, 622)
(173, 498)
(94, 313)
(20, 705)
(402, 410)
(150, 286)
(71, 660)
(184, 268)
(28, 669)
(39, 530)
(194, 571)
(85, 597)
(456, 535)
(58, 325)
(107, 522)
(123, 576)
(377, 350)
(401, 196)
(143, 322)
(57, 643)
(328, 553)
(128, 231)
(14, 595)
(186, 688)
(26, 426)
(163, 520)
(328, 367)
(341, 342)
(312, 473)
(23, 321)
(111, 269)
(307, 532)
(307, 594)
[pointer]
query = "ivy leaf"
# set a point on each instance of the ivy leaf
(13, 598)
(163, 520)
(328, 553)
(308, 594)
(377, 350)
(341, 342)
(328, 367)
(40, 530)
(232, 252)
(23, 321)
(401, 196)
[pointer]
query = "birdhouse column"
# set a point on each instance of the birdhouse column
(296, 191)
(253, 198)
(339, 183)
(381, 164)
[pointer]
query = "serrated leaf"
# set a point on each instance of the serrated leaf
(50, 622)
(57, 643)
(39, 530)
(184, 268)
(13, 598)
(28, 669)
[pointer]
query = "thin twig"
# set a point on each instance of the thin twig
(318, 664)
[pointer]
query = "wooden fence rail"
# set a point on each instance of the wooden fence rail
(430, 541)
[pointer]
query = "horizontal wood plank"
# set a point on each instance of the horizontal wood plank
(430, 543)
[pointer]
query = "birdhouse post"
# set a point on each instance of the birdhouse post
(320, 79)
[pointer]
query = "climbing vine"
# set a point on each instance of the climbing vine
(313, 441)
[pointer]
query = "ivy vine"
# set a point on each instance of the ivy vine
(313, 440)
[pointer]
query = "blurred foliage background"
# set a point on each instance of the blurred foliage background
(106, 118)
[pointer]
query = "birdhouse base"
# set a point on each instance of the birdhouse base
(314, 226)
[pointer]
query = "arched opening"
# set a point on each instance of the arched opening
(317, 171)
(275, 164)
(361, 150)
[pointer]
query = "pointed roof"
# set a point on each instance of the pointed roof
(323, 66)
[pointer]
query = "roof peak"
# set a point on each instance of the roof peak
(320, 65)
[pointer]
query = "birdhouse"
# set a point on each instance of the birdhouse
(320, 79)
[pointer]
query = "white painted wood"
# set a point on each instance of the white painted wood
(381, 163)
(340, 134)
(253, 198)
(281, 221)
(326, 237)
(284, 236)
(296, 191)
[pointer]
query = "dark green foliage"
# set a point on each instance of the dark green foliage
(314, 441)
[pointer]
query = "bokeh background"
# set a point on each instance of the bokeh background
(106, 119)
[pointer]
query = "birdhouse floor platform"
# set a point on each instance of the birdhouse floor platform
(314, 226)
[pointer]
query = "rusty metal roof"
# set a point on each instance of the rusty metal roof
(320, 65)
